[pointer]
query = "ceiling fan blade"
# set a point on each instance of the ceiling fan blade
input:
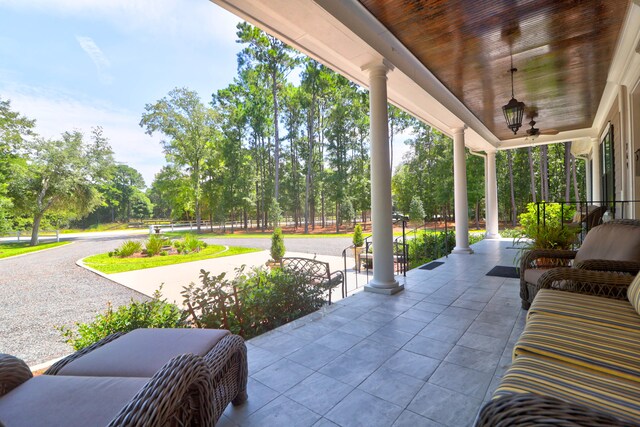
(549, 132)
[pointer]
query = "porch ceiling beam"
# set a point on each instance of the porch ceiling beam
(571, 135)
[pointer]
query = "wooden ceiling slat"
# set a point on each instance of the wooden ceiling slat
(562, 49)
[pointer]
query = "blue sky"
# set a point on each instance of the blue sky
(76, 64)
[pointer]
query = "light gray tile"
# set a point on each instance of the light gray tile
(259, 395)
(498, 318)
(445, 406)
(406, 325)
(420, 315)
(259, 358)
(314, 356)
(490, 329)
(473, 359)
(319, 392)
(411, 419)
(482, 342)
(349, 370)
(311, 331)
(360, 328)
(428, 347)
(464, 313)
(392, 386)
(473, 305)
(415, 365)
(372, 351)
(283, 375)
(390, 337)
(284, 344)
(442, 333)
(323, 422)
(430, 307)
(377, 317)
(452, 321)
(225, 422)
(282, 412)
(461, 379)
(351, 411)
(340, 341)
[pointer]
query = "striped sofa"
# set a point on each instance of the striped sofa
(576, 349)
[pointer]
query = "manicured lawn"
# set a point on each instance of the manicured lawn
(18, 248)
(267, 235)
(110, 265)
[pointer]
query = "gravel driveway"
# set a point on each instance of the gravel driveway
(42, 290)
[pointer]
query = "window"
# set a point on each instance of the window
(607, 166)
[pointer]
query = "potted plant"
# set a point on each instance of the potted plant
(277, 248)
(358, 242)
(547, 226)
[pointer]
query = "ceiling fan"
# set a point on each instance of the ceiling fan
(532, 113)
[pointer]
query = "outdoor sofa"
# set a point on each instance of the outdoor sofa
(176, 395)
(136, 358)
(577, 351)
(613, 246)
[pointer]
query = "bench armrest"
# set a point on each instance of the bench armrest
(599, 283)
(631, 267)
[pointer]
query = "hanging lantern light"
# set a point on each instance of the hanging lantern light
(514, 110)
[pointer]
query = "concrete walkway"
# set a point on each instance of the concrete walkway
(174, 278)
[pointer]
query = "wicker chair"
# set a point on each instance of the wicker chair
(177, 395)
(614, 246)
(225, 355)
(528, 409)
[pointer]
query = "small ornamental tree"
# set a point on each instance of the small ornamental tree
(277, 245)
(358, 238)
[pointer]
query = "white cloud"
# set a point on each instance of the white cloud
(98, 57)
(178, 18)
(56, 112)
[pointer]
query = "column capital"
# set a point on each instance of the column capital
(378, 66)
(458, 129)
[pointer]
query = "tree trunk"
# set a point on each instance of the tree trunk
(544, 174)
(514, 213)
(576, 191)
(36, 228)
(567, 171)
(276, 150)
(532, 175)
(309, 177)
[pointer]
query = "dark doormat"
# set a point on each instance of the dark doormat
(431, 265)
(502, 271)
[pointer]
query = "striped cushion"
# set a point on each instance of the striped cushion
(571, 383)
(596, 347)
(618, 314)
(633, 293)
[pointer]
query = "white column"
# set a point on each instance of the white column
(381, 207)
(596, 183)
(460, 193)
(491, 185)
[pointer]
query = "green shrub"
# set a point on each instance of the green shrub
(546, 224)
(252, 303)
(154, 244)
(128, 248)
(189, 244)
(358, 238)
(416, 210)
(156, 313)
(430, 245)
(277, 245)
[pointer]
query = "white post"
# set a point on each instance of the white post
(588, 173)
(150, 229)
(18, 235)
(57, 235)
(596, 187)
(382, 225)
(460, 193)
(492, 197)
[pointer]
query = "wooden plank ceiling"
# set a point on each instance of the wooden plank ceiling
(561, 48)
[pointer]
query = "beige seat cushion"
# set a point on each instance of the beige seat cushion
(57, 401)
(142, 352)
(531, 275)
(620, 242)
(633, 293)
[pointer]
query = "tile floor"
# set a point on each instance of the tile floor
(428, 356)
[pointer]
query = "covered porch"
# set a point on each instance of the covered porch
(428, 356)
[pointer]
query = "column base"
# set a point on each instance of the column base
(384, 288)
(492, 236)
(462, 251)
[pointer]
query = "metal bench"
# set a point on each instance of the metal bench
(318, 271)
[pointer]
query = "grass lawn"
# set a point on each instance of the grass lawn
(267, 235)
(18, 248)
(110, 265)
